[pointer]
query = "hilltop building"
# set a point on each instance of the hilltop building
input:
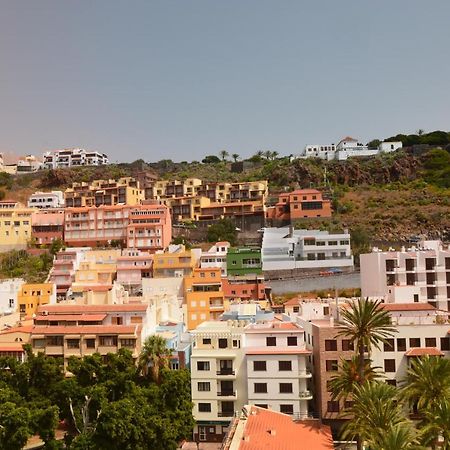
(44, 200)
(73, 157)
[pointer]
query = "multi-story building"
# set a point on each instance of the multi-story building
(186, 208)
(244, 261)
(27, 164)
(175, 262)
(12, 340)
(124, 191)
(178, 341)
(9, 290)
(216, 256)
(73, 157)
(248, 191)
(147, 180)
(15, 226)
(141, 226)
(31, 296)
(289, 249)
(204, 296)
(176, 188)
(47, 226)
(44, 200)
(419, 274)
(66, 330)
(237, 210)
(133, 266)
(299, 204)
(218, 377)
(246, 288)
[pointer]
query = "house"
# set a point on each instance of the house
(74, 157)
(44, 200)
(132, 266)
(9, 290)
(47, 226)
(216, 256)
(244, 261)
(15, 226)
(175, 262)
(33, 295)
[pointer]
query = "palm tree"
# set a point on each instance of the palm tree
(401, 436)
(343, 385)
(438, 424)
(367, 325)
(154, 354)
(274, 155)
(267, 154)
(223, 154)
(235, 157)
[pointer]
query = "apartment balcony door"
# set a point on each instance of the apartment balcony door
(226, 388)
(227, 409)
(226, 367)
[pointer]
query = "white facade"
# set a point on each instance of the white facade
(216, 257)
(8, 295)
(417, 274)
(74, 157)
(43, 200)
(288, 249)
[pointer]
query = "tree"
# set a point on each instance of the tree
(15, 426)
(224, 155)
(374, 143)
(223, 230)
(155, 354)
(235, 157)
(437, 423)
(210, 159)
(367, 325)
(400, 436)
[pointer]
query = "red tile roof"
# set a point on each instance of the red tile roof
(11, 347)
(431, 351)
(79, 309)
(87, 329)
(292, 302)
(23, 329)
(277, 351)
(407, 307)
(72, 317)
(266, 429)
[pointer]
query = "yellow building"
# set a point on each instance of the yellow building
(31, 296)
(125, 191)
(176, 188)
(176, 262)
(204, 296)
(15, 226)
(186, 208)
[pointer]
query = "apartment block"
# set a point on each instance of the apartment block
(133, 266)
(299, 204)
(47, 226)
(9, 290)
(246, 288)
(417, 274)
(15, 226)
(236, 209)
(142, 226)
(288, 249)
(33, 295)
(74, 157)
(175, 262)
(45, 200)
(66, 330)
(186, 208)
(244, 261)
(124, 191)
(216, 256)
(248, 191)
(204, 296)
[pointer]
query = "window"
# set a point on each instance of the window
(401, 344)
(206, 341)
(285, 388)
(204, 407)
(203, 365)
(259, 366)
(388, 346)
(347, 345)
(285, 365)
(296, 309)
(330, 345)
(203, 386)
(389, 365)
(128, 343)
(392, 382)
(73, 343)
(445, 343)
(348, 404)
(223, 343)
(262, 405)
(333, 406)
(331, 365)
(287, 409)
(271, 341)
(414, 342)
(292, 341)
(430, 342)
(90, 343)
(260, 388)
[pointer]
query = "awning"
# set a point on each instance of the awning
(430, 351)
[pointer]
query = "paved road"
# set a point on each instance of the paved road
(344, 281)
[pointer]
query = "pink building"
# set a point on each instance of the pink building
(47, 225)
(146, 227)
(133, 266)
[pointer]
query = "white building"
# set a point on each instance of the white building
(416, 274)
(8, 295)
(43, 200)
(234, 363)
(73, 157)
(287, 249)
(216, 256)
(28, 164)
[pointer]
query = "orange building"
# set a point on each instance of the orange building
(299, 204)
(47, 225)
(204, 296)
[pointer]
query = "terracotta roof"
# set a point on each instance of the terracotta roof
(407, 307)
(292, 302)
(71, 317)
(87, 329)
(266, 429)
(431, 351)
(277, 351)
(74, 309)
(24, 329)
(12, 347)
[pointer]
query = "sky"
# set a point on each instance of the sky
(183, 79)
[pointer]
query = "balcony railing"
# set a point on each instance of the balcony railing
(227, 394)
(225, 414)
(225, 371)
(305, 394)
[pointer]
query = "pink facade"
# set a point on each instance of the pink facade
(133, 266)
(46, 226)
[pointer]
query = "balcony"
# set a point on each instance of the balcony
(305, 395)
(54, 350)
(226, 394)
(225, 414)
(305, 374)
(226, 371)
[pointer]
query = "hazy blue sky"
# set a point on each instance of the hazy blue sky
(181, 79)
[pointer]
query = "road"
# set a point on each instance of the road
(343, 281)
